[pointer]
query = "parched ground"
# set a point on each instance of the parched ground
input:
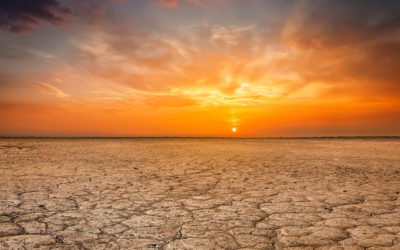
(199, 194)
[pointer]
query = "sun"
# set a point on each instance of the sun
(234, 130)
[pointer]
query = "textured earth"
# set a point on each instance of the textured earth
(200, 193)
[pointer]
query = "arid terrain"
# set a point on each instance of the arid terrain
(200, 193)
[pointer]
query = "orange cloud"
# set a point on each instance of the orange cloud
(168, 3)
(50, 90)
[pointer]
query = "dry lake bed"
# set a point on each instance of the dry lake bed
(200, 193)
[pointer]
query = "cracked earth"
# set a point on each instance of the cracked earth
(199, 194)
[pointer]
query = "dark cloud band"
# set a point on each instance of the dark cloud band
(22, 15)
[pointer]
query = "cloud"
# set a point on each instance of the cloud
(167, 3)
(22, 15)
(50, 90)
(342, 41)
(330, 23)
(15, 52)
(306, 56)
(96, 13)
(209, 68)
(230, 35)
(174, 3)
(176, 101)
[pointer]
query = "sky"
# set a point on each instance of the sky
(265, 68)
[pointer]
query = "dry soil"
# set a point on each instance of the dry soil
(200, 193)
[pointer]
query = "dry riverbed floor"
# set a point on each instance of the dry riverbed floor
(199, 193)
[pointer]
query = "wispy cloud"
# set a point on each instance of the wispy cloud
(230, 35)
(18, 52)
(50, 90)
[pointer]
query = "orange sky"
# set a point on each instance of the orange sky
(200, 68)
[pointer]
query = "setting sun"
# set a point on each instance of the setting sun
(234, 130)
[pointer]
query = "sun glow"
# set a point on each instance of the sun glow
(234, 130)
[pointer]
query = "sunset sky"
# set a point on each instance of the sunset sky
(199, 67)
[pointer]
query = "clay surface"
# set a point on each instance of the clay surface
(199, 193)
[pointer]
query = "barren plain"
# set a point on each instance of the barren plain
(199, 193)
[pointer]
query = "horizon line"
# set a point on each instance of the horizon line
(203, 137)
